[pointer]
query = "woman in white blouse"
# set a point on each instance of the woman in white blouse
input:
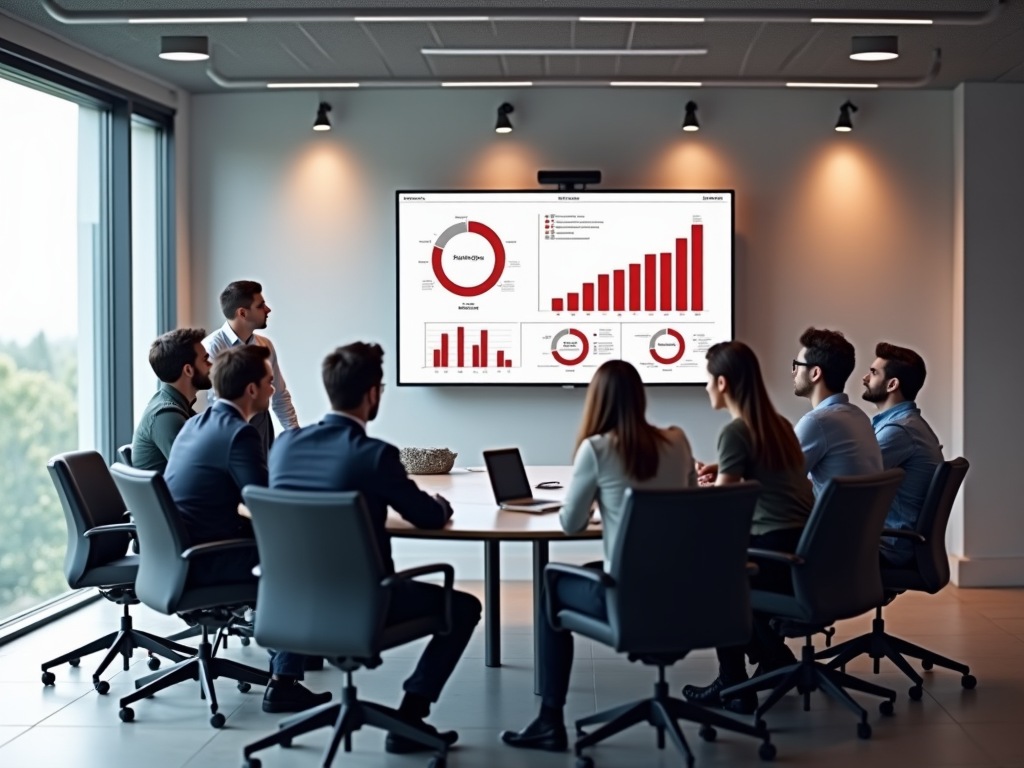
(616, 449)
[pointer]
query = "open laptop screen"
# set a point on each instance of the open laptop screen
(508, 475)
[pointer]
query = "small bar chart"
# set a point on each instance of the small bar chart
(471, 345)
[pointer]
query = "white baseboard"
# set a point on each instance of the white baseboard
(468, 556)
(987, 571)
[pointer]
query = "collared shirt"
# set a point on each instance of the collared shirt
(165, 415)
(360, 422)
(838, 441)
(907, 442)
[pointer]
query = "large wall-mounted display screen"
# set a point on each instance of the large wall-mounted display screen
(543, 287)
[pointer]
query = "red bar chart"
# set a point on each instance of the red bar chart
(471, 345)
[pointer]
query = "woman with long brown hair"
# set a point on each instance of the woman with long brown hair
(758, 444)
(616, 449)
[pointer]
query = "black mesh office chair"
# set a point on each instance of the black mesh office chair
(929, 573)
(98, 537)
(678, 581)
(835, 576)
(324, 592)
(161, 584)
(124, 453)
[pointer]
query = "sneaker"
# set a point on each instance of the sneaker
(710, 696)
(401, 745)
(291, 697)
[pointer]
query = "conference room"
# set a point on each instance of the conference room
(451, 384)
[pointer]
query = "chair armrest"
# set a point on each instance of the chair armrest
(117, 527)
(753, 569)
(781, 557)
(217, 546)
(554, 571)
(903, 533)
(424, 570)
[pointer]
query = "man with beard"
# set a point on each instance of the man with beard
(836, 436)
(182, 364)
(338, 455)
(905, 438)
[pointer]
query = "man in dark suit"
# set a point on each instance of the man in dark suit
(338, 455)
(215, 456)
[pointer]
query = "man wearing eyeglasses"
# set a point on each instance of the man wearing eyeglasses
(836, 436)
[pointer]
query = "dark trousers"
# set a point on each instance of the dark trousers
(765, 644)
(556, 646)
(413, 599)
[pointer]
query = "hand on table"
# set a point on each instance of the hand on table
(706, 473)
(445, 505)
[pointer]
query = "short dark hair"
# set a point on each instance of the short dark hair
(170, 353)
(350, 372)
(235, 368)
(903, 364)
(238, 295)
(830, 351)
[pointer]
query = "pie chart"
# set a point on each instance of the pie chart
(674, 357)
(584, 347)
(478, 229)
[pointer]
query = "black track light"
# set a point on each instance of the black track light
(845, 124)
(504, 124)
(690, 121)
(322, 123)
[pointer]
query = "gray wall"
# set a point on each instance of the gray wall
(850, 231)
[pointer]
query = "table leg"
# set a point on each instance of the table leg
(492, 603)
(540, 560)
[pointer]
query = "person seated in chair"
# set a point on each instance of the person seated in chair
(216, 455)
(836, 436)
(338, 455)
(616, 449)
(180, 361)
(905, 439)
(758, 444)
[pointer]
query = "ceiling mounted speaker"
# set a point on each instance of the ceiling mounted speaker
(875, 48)
(184, 48)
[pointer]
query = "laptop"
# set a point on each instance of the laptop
(510, 485)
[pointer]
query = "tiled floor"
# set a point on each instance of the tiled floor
(70, 726)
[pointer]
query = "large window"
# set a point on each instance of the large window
(147, 182)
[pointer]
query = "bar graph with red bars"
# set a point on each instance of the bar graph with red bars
(659, 282)
(479, 353)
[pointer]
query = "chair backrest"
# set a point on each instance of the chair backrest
(841, 575)
(679, 566)
(89, 499)
(931, 558)
(320, 587)
(124, 453)
(162, 537)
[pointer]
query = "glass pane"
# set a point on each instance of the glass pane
(145, 255)
(50, 235)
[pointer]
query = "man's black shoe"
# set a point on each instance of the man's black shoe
(540, 734)
(711, 696)
(288, 696)
(400, 745)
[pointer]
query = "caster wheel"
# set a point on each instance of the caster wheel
(863, 731)
(217, 721)
(708, 733)
(438, 761)
(153, 663)
(766, 751)
(74, 662)
(915, 692)
(245, 641)
(101, 687)
(252, 762)
(926, 665)
(127, 714)
(244, 687)
(286, 744)
(49, 678)
(886, 708)
(969, 682)
(584, 761)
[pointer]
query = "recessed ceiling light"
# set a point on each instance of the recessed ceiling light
(190, 20)
(831, 85)
(312, 85)
(875, 48)
(177, 48)
(485, 84)
(653, 84)
(869, 21)
(646, 19)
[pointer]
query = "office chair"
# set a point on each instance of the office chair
(929, 573)
(98, 538)
(678, 581)
(162, 585)
(835, 576)
(124, 453)
(324, 592)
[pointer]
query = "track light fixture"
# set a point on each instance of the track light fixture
(845, 124)
(177, 48)
(504, 124)
(690, 121)
(322, 123)
(875, 48)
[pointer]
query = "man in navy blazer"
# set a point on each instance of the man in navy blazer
(338, 455)
(216, 455)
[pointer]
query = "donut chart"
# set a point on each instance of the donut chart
(674, 358)
(496, 245)
(584, 347)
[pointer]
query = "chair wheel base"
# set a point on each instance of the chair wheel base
(969, 682)
(766, 751)
(74, 662)
(49, 678)
(863, 731)
(886, 708)
(915, 692)
(127, 714)
(708, 733)
(153, 663)
(218, 720)
(101, 686)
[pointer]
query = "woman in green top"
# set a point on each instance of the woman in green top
(758, 444)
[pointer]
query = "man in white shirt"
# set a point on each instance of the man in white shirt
(246, 311)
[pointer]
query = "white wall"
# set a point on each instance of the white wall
(853, 232)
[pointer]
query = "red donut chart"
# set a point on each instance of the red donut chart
(677, 356)
(499, 258)
(584, 347)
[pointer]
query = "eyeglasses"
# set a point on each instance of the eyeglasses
(797, 362)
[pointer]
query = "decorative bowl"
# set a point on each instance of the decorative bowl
(427, 461)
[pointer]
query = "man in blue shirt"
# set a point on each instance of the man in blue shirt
(836, 436)
(905, 438)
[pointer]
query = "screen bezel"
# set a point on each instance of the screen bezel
(555, 385)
